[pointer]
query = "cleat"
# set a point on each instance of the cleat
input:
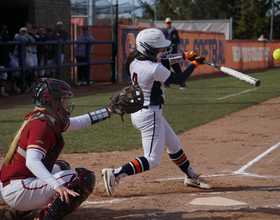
(184, 87)
(85, 83)
(79, 83)
(4, 94)
(15, 89)
(198, 182)
(14, 214)
(110, 180)
(167, 87)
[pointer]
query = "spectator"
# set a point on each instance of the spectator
(24, 35)
(11, 60)
(31, 56)
(62, 35)
(28, 26)
(171, 34)
(13, 63)
(4, 60)
(14, 56)
(50, 53)
(262, 38)
(80, 54)
(41, 52)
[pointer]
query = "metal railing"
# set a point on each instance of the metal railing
(23, 68)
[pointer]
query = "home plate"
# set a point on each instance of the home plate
(217, 201)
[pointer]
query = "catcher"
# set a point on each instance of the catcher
(31, 176)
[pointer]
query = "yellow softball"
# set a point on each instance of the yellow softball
(276, 54)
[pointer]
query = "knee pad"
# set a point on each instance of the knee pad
(83, 184)
(63, 165)
(4, 75)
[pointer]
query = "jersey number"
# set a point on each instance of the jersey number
(135, 78)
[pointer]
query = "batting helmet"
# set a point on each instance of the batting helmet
(149, 40)
(56, 94)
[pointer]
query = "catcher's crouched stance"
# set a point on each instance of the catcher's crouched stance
(31, 176)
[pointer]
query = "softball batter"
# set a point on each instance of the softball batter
(156, 133)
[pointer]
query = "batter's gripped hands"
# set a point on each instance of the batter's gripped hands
(198, 61)
(190, 56)
(64, 191)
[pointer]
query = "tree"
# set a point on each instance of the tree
(251, 18)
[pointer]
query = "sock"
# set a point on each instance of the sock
(138, 165)
(2, 84)
(14, 79)
(181, 160)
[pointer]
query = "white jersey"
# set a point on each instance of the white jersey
(150, 76)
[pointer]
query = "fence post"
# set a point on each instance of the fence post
(88, 59)
(22, 63)
(58, 59)
(73, 52)
(113, 66)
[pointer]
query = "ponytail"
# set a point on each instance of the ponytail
(129, 59)
(14, 144)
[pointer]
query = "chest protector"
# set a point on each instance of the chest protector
(54, 151)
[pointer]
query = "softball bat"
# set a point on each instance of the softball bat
(241, 76)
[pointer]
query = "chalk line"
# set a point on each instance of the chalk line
(242, 169)
(235, 94)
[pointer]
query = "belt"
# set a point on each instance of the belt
(147, 107)
(6, 183)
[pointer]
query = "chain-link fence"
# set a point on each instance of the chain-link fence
(96, 11)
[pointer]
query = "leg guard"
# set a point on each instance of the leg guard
(63, 165)
(83, 184)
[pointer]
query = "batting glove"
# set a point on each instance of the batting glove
(190, 56)
(198, 61)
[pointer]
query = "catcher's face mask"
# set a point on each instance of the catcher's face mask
(56, 94)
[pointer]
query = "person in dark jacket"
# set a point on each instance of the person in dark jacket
(80, 54)
(50, 50)
(60, 34)
(171, 34)
(41, 52)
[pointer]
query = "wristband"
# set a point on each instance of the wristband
(99, 115)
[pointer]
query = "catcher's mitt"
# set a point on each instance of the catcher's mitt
(128, 100)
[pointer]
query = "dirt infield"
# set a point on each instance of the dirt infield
(238, 154)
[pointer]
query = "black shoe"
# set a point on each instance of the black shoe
(167, 87)
(184, 87)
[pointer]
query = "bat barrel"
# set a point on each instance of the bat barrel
(236, 74)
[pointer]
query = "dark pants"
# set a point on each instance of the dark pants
(82, 70)
(176, 67)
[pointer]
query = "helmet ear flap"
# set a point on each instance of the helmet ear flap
(42, 94)
(149, 51)
(41, 101)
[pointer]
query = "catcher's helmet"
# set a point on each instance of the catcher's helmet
(149, 40)
(56, 94)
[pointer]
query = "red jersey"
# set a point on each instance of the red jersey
(39, 134)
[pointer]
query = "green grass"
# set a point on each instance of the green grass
(183, 109)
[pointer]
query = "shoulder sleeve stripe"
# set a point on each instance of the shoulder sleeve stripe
(37, 147)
